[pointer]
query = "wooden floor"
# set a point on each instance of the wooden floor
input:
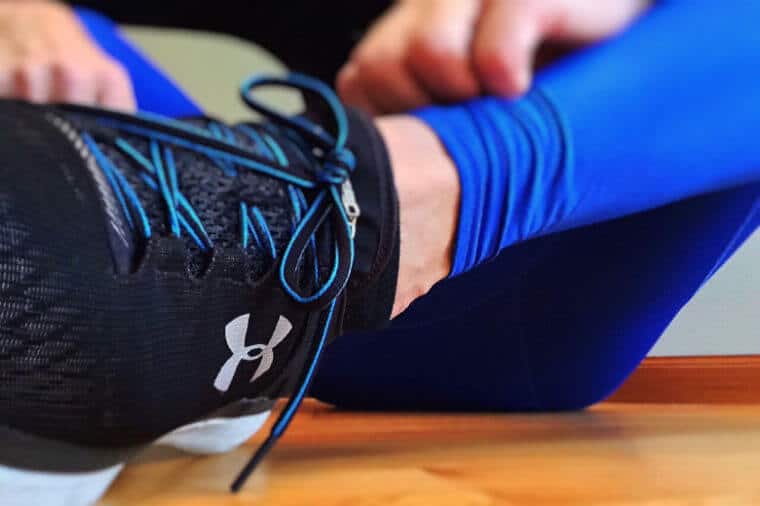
(614, 454)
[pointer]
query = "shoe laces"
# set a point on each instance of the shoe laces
(334, 202)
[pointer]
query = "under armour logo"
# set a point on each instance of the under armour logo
(235, 333)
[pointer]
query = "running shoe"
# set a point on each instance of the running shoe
(165, 281)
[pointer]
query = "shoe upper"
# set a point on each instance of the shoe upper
(153, 271)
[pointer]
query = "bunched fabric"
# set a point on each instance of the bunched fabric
(666, 111)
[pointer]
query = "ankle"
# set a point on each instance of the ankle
(429, 191)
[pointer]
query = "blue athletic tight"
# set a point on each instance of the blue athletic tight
(592, 211)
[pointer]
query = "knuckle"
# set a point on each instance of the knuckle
(434, 56)
(375, 61)
(30, 80)
(68, 75)
(429, 47)
(346, 81)
(373, 70)
(346, 88)
(27, 70)
(343, 80)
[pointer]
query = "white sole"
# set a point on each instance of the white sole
(215, 435)
(22, 487)
(26, 488)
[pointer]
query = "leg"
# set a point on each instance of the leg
(555, 323)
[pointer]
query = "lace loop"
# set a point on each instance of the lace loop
(308, 87)
(337, 164)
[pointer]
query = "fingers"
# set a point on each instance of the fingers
(509, 34)
(71, 85)
(439, 50)
(381, 88)
(114, 88)
(505, 44)
(350, 88)
(416, 54)
(104, 83)
(433, 51)
(46, 56)
(376, 77)
(30, 81)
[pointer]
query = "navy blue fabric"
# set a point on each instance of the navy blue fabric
(552, 323)
(154, 90)
(558, 321)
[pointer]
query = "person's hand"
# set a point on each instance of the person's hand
(46, 56)
(433, 51)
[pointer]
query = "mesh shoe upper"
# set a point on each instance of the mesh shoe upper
(89, 355)
(130, 245)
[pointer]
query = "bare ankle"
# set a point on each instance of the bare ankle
(428, 188)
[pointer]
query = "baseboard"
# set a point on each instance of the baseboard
(694, 380)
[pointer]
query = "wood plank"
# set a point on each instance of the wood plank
(612, 455)
(713, 379)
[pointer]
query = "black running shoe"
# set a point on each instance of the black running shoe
(166, 281)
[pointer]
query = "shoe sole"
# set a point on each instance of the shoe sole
(36, 477)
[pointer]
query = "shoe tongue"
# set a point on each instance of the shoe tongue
(120, 235)
(373, 283)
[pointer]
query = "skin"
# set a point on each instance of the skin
(433, 51)
(436, 51)
(428, 189)
(46, 56)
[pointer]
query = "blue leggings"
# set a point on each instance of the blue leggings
(551, 322)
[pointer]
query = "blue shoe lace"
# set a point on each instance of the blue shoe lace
(334, 200)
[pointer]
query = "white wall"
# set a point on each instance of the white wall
(723, 318)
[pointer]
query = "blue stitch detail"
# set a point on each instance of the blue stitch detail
(209, 151)
(164, 186)
(276, 149)
(222, 135)
(136, 155)
(257, 139)
(265, 230)
(188, 208)
(244, 224)
(172, 170)
(190, 231)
